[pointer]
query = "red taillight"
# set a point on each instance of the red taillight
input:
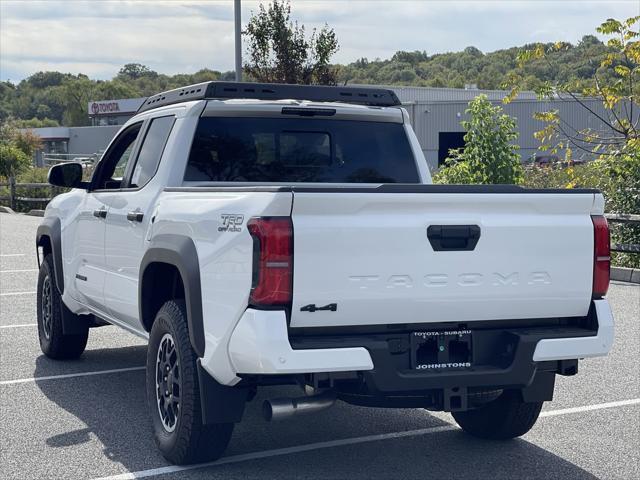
(601, 256)
(272, 261)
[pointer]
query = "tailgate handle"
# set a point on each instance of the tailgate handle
(455, 238)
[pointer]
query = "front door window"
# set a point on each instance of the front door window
(113, 166)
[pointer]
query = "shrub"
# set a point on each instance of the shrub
(13, 160)
(489, 156)
(622, 192)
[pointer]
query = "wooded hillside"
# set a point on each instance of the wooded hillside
(55, 98)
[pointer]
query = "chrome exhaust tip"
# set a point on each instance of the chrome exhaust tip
(284, 408)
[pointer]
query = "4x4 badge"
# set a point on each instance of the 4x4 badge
(332, 307)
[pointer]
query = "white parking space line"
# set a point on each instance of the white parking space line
(589, 408)
(19, 271)
(70, 375)
(12, 254)
(10, 294)
(21, 325)
(337, 443)
(278, 451)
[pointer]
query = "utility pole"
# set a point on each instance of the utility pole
(238, 34)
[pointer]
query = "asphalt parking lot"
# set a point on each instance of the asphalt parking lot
(88, 419)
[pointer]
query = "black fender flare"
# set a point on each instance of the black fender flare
(179, 251)
(50, 227)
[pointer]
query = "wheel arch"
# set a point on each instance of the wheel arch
(172, 258)
(49, 237)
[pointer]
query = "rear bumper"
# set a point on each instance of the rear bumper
(503, 357)
(260, 345)
(582, 347)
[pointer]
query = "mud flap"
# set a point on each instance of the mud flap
(541, 389)
(73, 324)
(220, 403)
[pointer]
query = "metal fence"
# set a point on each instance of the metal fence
(49, 159)
(626, 219)
(13, 198)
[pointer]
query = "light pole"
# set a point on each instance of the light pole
(238, 35)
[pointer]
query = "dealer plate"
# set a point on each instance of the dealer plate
(441, 350)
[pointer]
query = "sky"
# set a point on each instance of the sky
(98, 37)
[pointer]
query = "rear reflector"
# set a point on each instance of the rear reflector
(601, 256)
(272, 261)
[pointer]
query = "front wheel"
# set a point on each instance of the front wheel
(173, 393)
(54, 343)
(504, 418)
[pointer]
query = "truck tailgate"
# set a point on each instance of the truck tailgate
(369, 254)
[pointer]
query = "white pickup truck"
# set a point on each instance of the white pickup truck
(276, 234)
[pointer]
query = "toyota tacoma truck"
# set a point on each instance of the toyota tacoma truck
(262, 234)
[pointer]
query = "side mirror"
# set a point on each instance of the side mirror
(67, 175)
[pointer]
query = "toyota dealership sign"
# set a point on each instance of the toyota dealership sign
(115, 107)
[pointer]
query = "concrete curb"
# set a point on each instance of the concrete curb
(624, 274)
(4, 209)
(35, 213)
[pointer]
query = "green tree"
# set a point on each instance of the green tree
(613, 79)
(36, 123)
(280, 52)
(28, 142)
(13, 161)
(136, 70)
(75, 94)
(15, 151)
(414, 57)
(489, 155)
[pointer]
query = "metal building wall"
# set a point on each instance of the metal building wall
(88, 140)
(431, 118)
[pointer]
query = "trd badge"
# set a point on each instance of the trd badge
(231, 222)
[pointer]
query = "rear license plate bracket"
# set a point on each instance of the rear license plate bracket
(441, 350)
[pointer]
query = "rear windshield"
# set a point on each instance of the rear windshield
(293, 150)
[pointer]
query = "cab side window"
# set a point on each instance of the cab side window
(151, 151)
(111, 170)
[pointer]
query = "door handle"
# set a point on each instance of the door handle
(102, 213)
(135, 216)
(453, 237)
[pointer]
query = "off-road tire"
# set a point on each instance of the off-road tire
(502, 419)
(53, 342)
(190, 441)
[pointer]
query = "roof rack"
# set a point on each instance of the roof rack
(376, 97)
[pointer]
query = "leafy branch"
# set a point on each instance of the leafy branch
(615, 87)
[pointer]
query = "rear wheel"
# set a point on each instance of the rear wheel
(173, 393)
(504, 418)
(53, 341)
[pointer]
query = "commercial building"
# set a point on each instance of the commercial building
(68, 143)
(435, 114)
(113, 112)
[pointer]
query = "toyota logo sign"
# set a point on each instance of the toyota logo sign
(101, 108)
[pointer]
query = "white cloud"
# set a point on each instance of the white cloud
(98, 37)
